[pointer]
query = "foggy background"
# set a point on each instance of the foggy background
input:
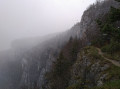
(34, 18)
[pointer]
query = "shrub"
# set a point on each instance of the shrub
(112, 47)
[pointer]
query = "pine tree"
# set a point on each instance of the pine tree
(117, 0)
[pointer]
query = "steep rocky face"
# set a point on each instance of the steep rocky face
(38, 60)
(91, 69)
(88, 25)
(34, 69)
(10, 70)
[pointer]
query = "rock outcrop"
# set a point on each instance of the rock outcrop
(91, 69)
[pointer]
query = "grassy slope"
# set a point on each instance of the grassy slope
(113, 77)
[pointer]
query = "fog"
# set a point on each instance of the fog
(33, 18)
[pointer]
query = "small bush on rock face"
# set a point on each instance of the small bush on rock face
(98, 42)
(111, 48)
(75, 86)
(114, 14)
(110, 85)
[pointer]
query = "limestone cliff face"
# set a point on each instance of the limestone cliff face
(88, 25)
(91, 69)
(35, 66)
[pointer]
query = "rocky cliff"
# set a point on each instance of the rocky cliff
(91, 69)
(33, 63)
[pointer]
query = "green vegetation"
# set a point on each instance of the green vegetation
(60, 75)
(98, 42)
(112, 80)
(115, 56)
(111, 48)
(110, 38)
(110, 85)
(114, 14)
(91, 51)
(109, 42)
(75, 86)
(92, 54)
(117, 0)
(114, 73)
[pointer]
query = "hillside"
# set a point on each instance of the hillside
(92, 69)
(68, 60)
(96, 66)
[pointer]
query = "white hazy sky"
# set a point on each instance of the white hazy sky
(30, 18)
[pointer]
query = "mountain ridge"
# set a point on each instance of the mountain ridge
(35, 62)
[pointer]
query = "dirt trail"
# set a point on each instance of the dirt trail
(112, 61)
